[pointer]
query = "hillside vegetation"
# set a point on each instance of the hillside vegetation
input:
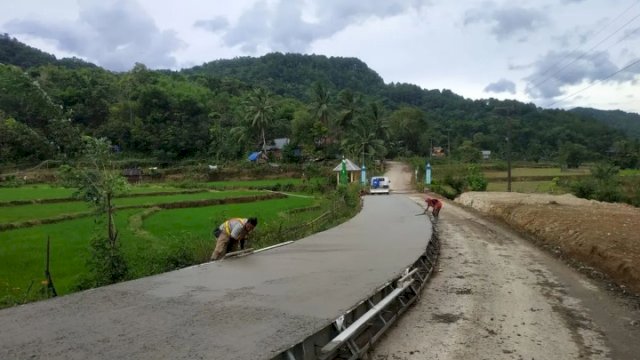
(627, 122)
(224, 109)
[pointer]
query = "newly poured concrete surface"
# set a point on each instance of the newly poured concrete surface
(245, 308)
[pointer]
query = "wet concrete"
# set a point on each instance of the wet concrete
(245, 308)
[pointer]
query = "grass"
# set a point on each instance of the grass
(526, 172)
(524, 186)
(252, 183)
(34, 192)
(20, 213)
(22, 255)
(269, 184)
(178, 221)
(43, 191)
(629, 172)
(22, 251)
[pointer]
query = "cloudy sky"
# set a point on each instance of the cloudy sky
(554, 53)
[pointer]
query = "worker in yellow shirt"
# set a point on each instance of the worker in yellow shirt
(230, 234)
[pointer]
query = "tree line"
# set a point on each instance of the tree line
(222, 110)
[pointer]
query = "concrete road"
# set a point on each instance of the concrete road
(245, 308)
(498, 297)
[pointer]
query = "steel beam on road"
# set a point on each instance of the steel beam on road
(353, 333)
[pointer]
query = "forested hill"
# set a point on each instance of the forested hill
(13, 52)
(224, 109)
(293, 74)
(627, 122)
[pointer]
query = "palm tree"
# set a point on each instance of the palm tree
(362, 140)
(380, 124)
(349, 106)
(260, 110)
(320, 103)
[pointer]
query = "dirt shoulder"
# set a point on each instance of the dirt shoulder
(602, 236)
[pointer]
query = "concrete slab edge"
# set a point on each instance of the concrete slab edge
(353, 333)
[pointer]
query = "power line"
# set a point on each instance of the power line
(588, 51)
(598, 33)
(596, 82)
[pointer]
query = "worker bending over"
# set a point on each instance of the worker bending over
(230, 234)
(435, 204)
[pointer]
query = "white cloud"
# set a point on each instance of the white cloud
(289, 26)
(507, 21)
(459, 45)
(115, 34)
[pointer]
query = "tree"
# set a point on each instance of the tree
(320, 103)
(468, 153)
(406, 126)
(363, 141)
(573, 154)
(350, 105)
(19, 142)
(260, 110)
(98, 182)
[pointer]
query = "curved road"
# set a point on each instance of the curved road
(245, 308)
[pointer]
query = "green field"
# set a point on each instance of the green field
(252, 183)
(149, 242)
(523, 186)
(630, 172)
(43, 191)
(176, 221)
(531, 172)
(19, 213)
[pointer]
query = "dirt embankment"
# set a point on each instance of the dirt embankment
(601, 235)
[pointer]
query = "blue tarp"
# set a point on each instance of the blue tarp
(254, 156)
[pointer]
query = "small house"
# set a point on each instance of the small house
(133, 175)
(437, 151)
(353, 170)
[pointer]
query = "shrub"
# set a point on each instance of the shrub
(584, 188)
(475, 179)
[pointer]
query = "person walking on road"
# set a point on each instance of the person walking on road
(230, 234)
(435, 204)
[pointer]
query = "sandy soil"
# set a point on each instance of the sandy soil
(603, 237)
(399, 175)
(498, 295)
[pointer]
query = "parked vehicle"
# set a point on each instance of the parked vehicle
(379, 185)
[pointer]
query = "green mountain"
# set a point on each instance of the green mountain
(328, 106)
(13, 52)
(629, 123)
(293, 74)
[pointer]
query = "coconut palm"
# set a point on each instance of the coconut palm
(260, 111)
(362, 140)
(320, 103)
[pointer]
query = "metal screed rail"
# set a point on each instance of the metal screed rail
(352, 334)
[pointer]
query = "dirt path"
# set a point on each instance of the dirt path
(498, 297)
(400, 176)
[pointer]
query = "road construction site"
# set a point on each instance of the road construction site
(493, 294)
(253, 307)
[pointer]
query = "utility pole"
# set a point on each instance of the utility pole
(508, 153)
(430, 149)
(449, 144)
(508, 138)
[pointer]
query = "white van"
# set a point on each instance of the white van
(379, 185)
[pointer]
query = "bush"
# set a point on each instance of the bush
(584, 188)
(443, 190)
(475, 179)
